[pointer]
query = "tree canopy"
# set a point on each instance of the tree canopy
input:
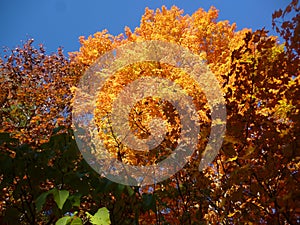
(253, 180)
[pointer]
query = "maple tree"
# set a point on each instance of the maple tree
(253, 180)
(35, 91)
(243, 62)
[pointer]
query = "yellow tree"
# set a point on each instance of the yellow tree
(248, 181)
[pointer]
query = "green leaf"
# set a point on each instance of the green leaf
(101, 217)
(57, 129)
(75, 199)
(130, 191)
(63, 221)
(60, 197)
(149, 202)
(120, 188)
(40, 201)
(76, 221)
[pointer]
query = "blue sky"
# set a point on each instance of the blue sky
(57, 23)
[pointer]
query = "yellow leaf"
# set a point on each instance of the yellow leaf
(232, 159)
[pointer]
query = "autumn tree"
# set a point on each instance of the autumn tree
(248, 180)
(35, 104)
(35, 92)
(254, 178)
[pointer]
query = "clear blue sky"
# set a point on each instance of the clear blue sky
(60, 22)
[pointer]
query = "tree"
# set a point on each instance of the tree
(253, 180)
(35, 92)
(248, 182)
